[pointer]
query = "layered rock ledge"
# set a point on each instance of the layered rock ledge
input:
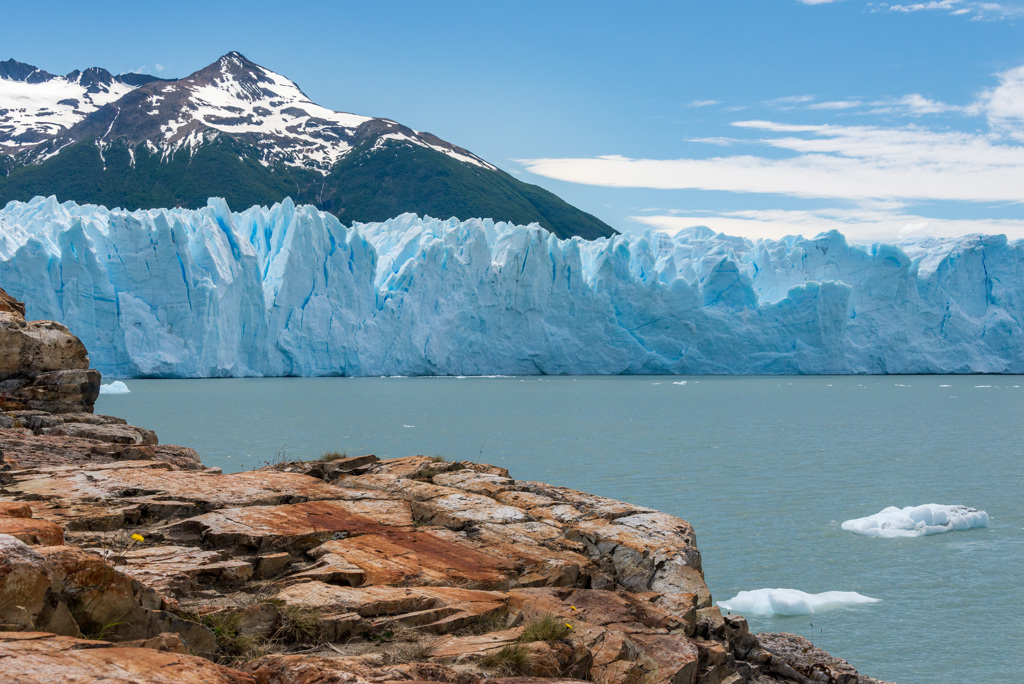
(125, 560)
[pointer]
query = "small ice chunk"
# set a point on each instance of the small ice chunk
(791, 601)
(116, 387)
(918, 521)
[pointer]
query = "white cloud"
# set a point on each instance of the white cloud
(817, 2)
(977, 11)
(914, 105)
(704, 103)
(858, 225)
(158, 67)
(843, 162)
(1004, 104)
(836, 104)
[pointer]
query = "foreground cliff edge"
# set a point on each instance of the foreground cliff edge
(125, 560)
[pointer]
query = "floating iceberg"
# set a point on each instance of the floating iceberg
(116, 387)
(917, 521)
(791, 601)
(289, 290)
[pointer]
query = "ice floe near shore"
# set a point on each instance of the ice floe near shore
(116, 387)
(918, 521)
(792, 601)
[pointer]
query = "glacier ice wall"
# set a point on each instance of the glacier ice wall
(291, 291)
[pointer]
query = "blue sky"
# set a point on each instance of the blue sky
(755, 117)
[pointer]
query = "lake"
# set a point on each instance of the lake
(765, 468)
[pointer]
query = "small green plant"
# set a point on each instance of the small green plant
(379, 636)
(547, 628)
(333, 456)
(438, 459)
(300, 625)
(511, 660)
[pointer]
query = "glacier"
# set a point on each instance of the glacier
(291, 291)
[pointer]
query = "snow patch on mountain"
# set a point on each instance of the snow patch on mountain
(289, 290)
(31, 112)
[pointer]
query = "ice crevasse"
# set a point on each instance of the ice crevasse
(289, 290)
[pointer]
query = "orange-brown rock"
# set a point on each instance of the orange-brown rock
(32, 657)
(42, 365)
(296, 527)
(35, 532)
(11, 509)
(308, 669)
(418, 556)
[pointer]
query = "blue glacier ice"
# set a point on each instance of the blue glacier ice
(289, 290)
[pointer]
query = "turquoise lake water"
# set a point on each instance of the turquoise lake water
(765, 468)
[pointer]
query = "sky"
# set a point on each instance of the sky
(758, 118)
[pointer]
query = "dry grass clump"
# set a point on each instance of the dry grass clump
(511, 660)
(299, 625)
(547, 628)
(333, 456)
(234, 644)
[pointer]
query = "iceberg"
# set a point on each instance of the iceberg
(918, 521)
(289, 290)
(792, 601)
(116, 387)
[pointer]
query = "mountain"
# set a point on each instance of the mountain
(289, 290)
(242, 132)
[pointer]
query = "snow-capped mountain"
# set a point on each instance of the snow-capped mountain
(238, 130)
(36, 106)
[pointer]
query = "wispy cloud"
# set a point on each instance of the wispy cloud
(704, 103)
(816, 2)
(840, 162)
(976, 11)
(836, 104)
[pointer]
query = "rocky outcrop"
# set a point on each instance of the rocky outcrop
(410, 569)
(42, 365)
(123, 559)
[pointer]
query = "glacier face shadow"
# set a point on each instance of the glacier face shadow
(290, 290)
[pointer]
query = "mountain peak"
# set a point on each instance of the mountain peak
(13, 70)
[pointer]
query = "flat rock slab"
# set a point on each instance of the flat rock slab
(433, 609)
(32, 657)
(209, 490)
(115, 434)
(297, 527)
(317, 669)
(178, 569)
(419, 556)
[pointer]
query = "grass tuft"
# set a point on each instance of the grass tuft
(299, 625)
(511, 660)
(547, 628)
(333, 456)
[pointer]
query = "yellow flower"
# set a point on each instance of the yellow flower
(138, 538)
(568, 625)
(573, 607)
